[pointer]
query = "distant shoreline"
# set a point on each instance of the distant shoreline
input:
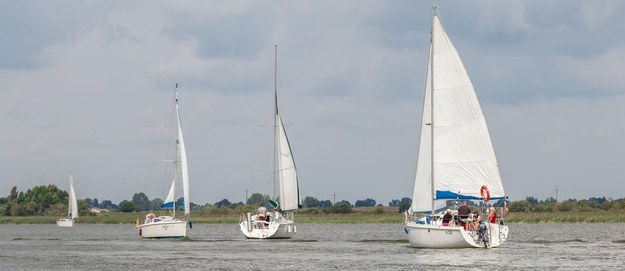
(307, 218)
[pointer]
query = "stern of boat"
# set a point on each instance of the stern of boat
(261, 229)
(65, 223)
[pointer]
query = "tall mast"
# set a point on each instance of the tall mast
(177, 145)
(275, 116)
(432, 108)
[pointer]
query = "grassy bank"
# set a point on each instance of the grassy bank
(567, 217)
(363, 215)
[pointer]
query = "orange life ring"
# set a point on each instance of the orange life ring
(485, 193)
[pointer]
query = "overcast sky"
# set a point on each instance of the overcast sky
(85, 86)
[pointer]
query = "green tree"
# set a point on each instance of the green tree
(564, 206)
(35, 201)
(155, 204)
(405, 204)
(310, 202)
(344, 202)
(108, 204)
(325, 203)
(127, 206)
(258, 199)
(520, 206)
(14, 193)
(532, 201)
(223, 203)
(141, 201)
(83, 208)
(369, 202)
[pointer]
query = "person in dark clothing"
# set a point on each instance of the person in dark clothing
(483, 233)
(463, 211)
(447, 218)
(463, 214)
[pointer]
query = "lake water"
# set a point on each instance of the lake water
(315, 247)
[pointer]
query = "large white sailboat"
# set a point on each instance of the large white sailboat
(278, 223)
(72, 207)
(456, 160)
(169, 226)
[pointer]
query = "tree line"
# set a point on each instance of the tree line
(39, 200)
(550, 204)
(52, 201)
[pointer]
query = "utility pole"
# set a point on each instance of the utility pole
(246, 195)
(334, 199)
(556, 194)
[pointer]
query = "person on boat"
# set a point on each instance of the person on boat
(482, 231)
(463, 214)
(463, 211)
(149, 217)
(447, 218)
(261, 216)
(492, 216)
(277, 216)
(477, 218)
(261, 212)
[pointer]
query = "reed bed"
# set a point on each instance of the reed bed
(567, 217)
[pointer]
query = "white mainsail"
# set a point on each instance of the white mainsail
(182, 157)
(289, 191)
(287, 174)
(455, 149)
(73, 202)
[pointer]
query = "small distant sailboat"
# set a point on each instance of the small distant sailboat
(456, 160)
(169, 226)
(72, 207)
(280, 223)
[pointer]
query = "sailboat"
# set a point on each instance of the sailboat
(169, 226)
(279, 223)
(456, 160)
(72, 207)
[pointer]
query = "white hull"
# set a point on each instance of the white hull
(65, 223)
(164, 229)
(282, 229)
(437, 236)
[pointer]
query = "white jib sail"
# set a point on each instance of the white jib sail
(73, 202)
(422, 195)
(171, 196)
(289, 192)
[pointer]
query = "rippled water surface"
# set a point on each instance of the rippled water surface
(315, 247)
